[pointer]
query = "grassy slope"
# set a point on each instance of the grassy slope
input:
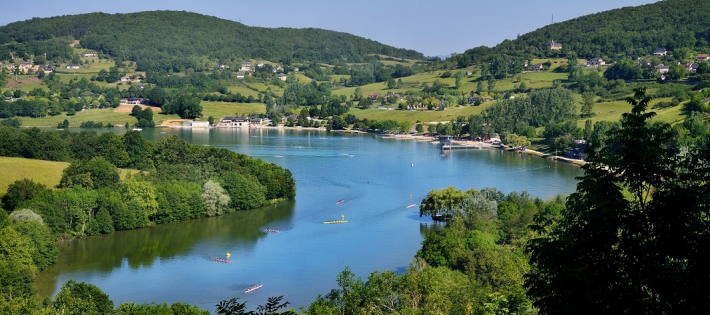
(45, 172)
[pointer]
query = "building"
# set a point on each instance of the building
(662, 68)
(221, 67)
(553, 46)
(126, 79)
(131, 101)
(468, 73)
(255, 122)
(140, 85)
(240, 75)
(660, 52)
(89, 54)
(233, 121)
(537, 67)
(196, 124)
(277, 68)
(595, 62)
(373, 95)
(48, 70)
(260, 65)
(246, 67)
(72, 66)
(702, 57)
(282, 77)
(692, 67)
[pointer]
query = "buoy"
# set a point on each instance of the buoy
(228, 254)
(410, 196)
(342, 217)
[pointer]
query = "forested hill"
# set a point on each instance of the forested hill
(154, 38)
(671, 24)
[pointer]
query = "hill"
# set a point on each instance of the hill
(672, 24)
(172, 40)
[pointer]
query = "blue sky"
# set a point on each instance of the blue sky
(431, 27)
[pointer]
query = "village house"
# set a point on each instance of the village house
(660, 52)
(131, 101)
(233, 121)
(373, 95)
(282, 77)
(126, 79)
(240, 75)
(702, 57)
(260, 65)
(468, 73)
(48, 70)
(537, 67)
(140, 85)
(662, 68)
(89, 53)
(595, 62)
(196, 124)
(72, 66)
(255, 122)
(277, 68)
(246, 66)
(692, 67)
(553, 46)
(295, 69)
(221, 67)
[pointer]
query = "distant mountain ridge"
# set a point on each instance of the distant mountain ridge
(613, 34)
(153, 37)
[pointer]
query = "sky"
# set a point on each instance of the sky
(433, 28)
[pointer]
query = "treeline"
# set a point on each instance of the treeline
(611, 35)
(155, 45)
(474, 266)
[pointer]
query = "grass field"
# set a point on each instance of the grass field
(243, 90)
(419, 115)
(45, 172)
(612, 111)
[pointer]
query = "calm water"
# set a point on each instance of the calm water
(170, 262)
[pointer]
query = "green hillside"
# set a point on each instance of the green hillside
(672, 24)
(172, 40)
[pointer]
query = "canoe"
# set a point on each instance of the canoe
(252, 289)
(335, 222)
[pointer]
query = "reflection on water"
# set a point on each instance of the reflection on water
(376, 177)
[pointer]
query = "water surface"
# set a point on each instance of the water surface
(374, 175)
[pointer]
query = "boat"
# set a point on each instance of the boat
(253, 288)
(339, 201)
(412, 205)
(335, 222)
(137, 129)
(271, 231)
(222, 260)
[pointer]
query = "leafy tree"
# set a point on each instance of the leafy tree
(17, 269)
(95, 173)
(25, 215)
(215, 198)
(244, 192)
(11, 122)
(42, 240)
(458, 79)
(574, 69)
(632, 232)
(391, 84)
(21, 190)
(587, 104)
(81, 298)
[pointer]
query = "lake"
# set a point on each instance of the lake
(373, 174)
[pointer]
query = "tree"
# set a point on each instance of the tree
(391, 84)
(459, 79)
(95, 173)
(210, 120)
(517, 141)
(491, 83)
(479, 86)
(215, 198)
(81, 298)
(621, 232)
(587, 104)
(588, 130)
(574, 69)
(419, 128)
(21, 190)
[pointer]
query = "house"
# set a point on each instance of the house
(221, 66)
(246, 66)
(469, 72)
(662, 68)
(48, 70)
(553, 46)
(126, 79)
(256, 121)
(537, 67)
(233, 121)
(131, 101)
(260, 65)
(660, 52)
(282, 77)
(196, 124)
(576, 153)
(295, 69)
(277, 68)
(240, 75)
(140, 85)
(702, 57)
(72, 66)
(692, 67)
(595, 62)
(373, 95)
(89, 53)
(26, 67)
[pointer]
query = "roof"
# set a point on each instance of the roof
(660, 49)
(246, 63)
(233, 118)
(133, 98)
